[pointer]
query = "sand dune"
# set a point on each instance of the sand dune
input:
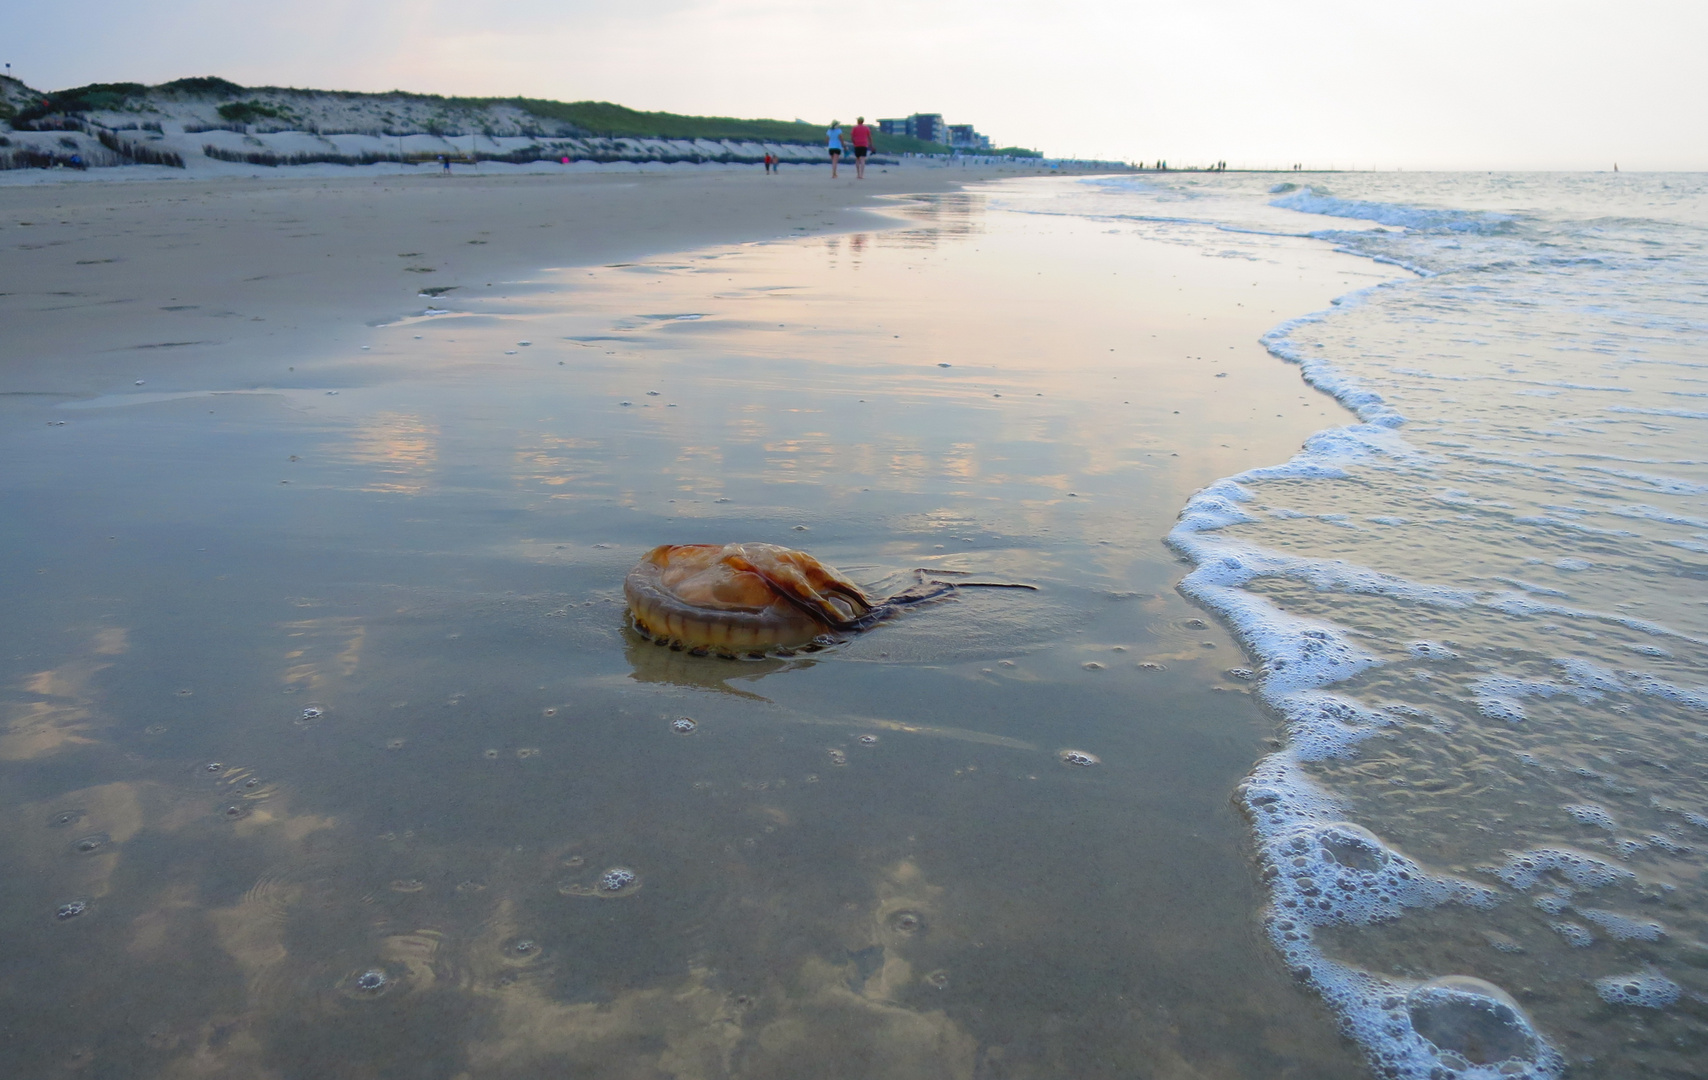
(223, 129)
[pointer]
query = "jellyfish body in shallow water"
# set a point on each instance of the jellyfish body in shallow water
(740, 598)
(750, 599)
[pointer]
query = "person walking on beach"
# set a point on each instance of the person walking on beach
(770, 162)
(833, 139)
(861, 136)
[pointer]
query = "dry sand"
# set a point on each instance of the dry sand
(193, 281)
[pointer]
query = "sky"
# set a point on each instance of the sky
(1414, 84)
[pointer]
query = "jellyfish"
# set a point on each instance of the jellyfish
(749, 599)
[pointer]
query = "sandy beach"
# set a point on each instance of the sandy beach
(1179, 556)
(198, 278)
(326, 724)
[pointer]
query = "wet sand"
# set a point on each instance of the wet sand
(324, 722)
(205, 277)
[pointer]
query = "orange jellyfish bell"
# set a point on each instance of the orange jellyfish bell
(742, 599)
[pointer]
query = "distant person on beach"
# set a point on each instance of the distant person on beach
(833, 139)
(770, 162)
(445, 161)
(861, 136)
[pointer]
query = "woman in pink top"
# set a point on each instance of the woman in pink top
(861, 137)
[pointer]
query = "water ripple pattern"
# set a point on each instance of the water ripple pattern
(1480, 611)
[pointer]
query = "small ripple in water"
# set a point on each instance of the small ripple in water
(616, 879)
(906, 922)
(612, 884)
(371, 983)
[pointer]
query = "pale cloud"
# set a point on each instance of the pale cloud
(1447, 83)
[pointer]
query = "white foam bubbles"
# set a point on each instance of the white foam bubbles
(1431, 650)
(1642, 989)
(1215, 507)
(1323, 871)
(1423, 219)
(1297, 653)
(1623, 927)
(1524, 870)
(1592, 680)
(1471, 1022)
(1337, 873)
(1554, 903)
(1653, 686)
(1322, 725)
(1500, 697)
(1591, 814)
(1368, 405)
(1353, 846)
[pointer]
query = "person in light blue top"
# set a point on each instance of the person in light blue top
(833, 138)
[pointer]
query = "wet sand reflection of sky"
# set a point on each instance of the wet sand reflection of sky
(371, 836)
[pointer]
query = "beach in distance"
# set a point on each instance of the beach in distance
(100, 268)
(1350, 726)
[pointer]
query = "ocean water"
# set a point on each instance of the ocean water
(1479, 610)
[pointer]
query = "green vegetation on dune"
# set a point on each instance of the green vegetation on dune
(203, 86)
(12, 95)
(247, 112)
(82, 99)
(617, 122)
